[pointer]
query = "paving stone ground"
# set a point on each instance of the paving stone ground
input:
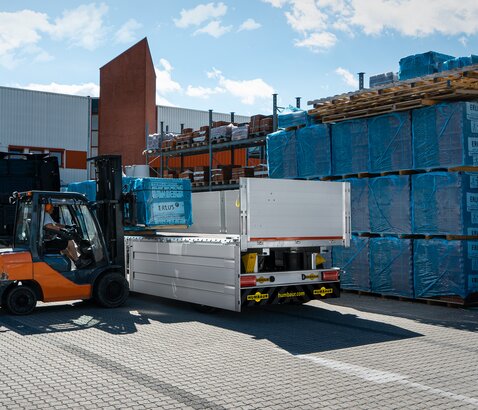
(354, 352)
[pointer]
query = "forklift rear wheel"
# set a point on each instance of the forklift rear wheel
(20, 300)
(112, 290)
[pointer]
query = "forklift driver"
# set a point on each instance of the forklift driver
(68, 247)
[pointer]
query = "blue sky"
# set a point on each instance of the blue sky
(228, 55)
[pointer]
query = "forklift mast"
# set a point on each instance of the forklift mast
(109, 207)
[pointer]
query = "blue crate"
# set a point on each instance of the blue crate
(445, 135)
(313, 151)
(359, 204)
(445, 268)
(355, 264)
(391, 266)
(390, 142)
(349, 147)
(389, 204)
(419, 65)
(445, 203)
(281, 147)
(163, 201)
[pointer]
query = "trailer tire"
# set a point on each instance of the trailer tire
(20, 300)
(111, 290)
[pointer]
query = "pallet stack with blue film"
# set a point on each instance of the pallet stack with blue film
(414, 182)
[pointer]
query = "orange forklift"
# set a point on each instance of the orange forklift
(50, 227)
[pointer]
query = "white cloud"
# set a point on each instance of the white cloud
(203, 92)
(164, 83)
(463, 41)
(318, 41)
(20, 33)
(127, 32)
(200, 14)
(160, 100)
(82, 26)
(214, 29)
(305, 16)
(276, 3)
(249, 24)
(347, 77)
(91, 89)
(246, 90)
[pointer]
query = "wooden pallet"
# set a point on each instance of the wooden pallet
(183, 145)
(197, 184)
(220, 140)
(199, 144)
(459, 84)
(295, 127)
(219, 182)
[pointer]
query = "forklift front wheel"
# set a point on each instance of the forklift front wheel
(111, 290)
(20, 300)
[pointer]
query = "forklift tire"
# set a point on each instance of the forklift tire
(20, 300)
(111, 290)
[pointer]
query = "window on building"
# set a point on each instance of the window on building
(94, 122)
(94, 138)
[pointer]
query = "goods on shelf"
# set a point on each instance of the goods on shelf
(167, 173)
(443, 267)
(187, 174)
(389, 204)
(445, 135)
(458, 62)
(222, 173)
(354, 263)
(313, 151)
(201, 174)
(445, 203)
(419, 65)
(242, 172)
(266, 125)
(240, 133)
(222, 131)
(349, 147)
(282, 154)
(382, 79)
(390, 142)
(391, 266)
(261, 171)
(255, 123)
(87, 188)
(359, 204)
(292, 117)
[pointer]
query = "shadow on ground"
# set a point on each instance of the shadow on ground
(296, 329)
(436, 315)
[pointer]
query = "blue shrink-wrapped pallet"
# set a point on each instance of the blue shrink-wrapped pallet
(391, 266)
(390, 142)
(349, 147)
(359, 204)
(445, 135)
(445, 203)
(355, 264)
(313, 151)
(421, 64)
(87, 188)
(163, 201)
(459, 62)
(445, 268)
(291, 117)
(282, 154)
(389, 204)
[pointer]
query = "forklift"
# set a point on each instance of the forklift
(38, 267)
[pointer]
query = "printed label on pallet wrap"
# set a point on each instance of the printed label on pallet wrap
(168, 210)
(473, 181)
(474, 127)
(472, 145)
(472, 111)
(472, 283)
(474, 217)
(472, 231)
(471, 201)
(473, 249)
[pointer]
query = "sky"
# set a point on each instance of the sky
(228, 55)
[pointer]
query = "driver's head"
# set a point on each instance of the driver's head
(49, 208)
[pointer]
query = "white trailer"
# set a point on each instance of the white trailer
(253, 246)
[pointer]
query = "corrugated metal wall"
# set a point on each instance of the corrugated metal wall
(45, 120)
(173, 117)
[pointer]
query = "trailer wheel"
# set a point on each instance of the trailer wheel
(111, 290)
(20, 300)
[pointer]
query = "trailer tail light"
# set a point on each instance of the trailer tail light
(330, 275)
(248, 281)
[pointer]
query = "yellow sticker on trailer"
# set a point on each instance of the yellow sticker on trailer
(323, 291)
(258, 296)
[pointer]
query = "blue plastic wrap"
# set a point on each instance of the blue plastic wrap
(292, 117)
(391, 266)
(389, 204)
(163, 201)
(390, 142)
(445, 135)
(445, 203)
(421, 64)
(349, 147)
(359, 204)
(444, 268)
(282, 154)
(313, 151)
(458, 62)
(354, 262)
(87, 188)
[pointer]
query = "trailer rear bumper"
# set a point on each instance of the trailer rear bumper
(290, 294)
